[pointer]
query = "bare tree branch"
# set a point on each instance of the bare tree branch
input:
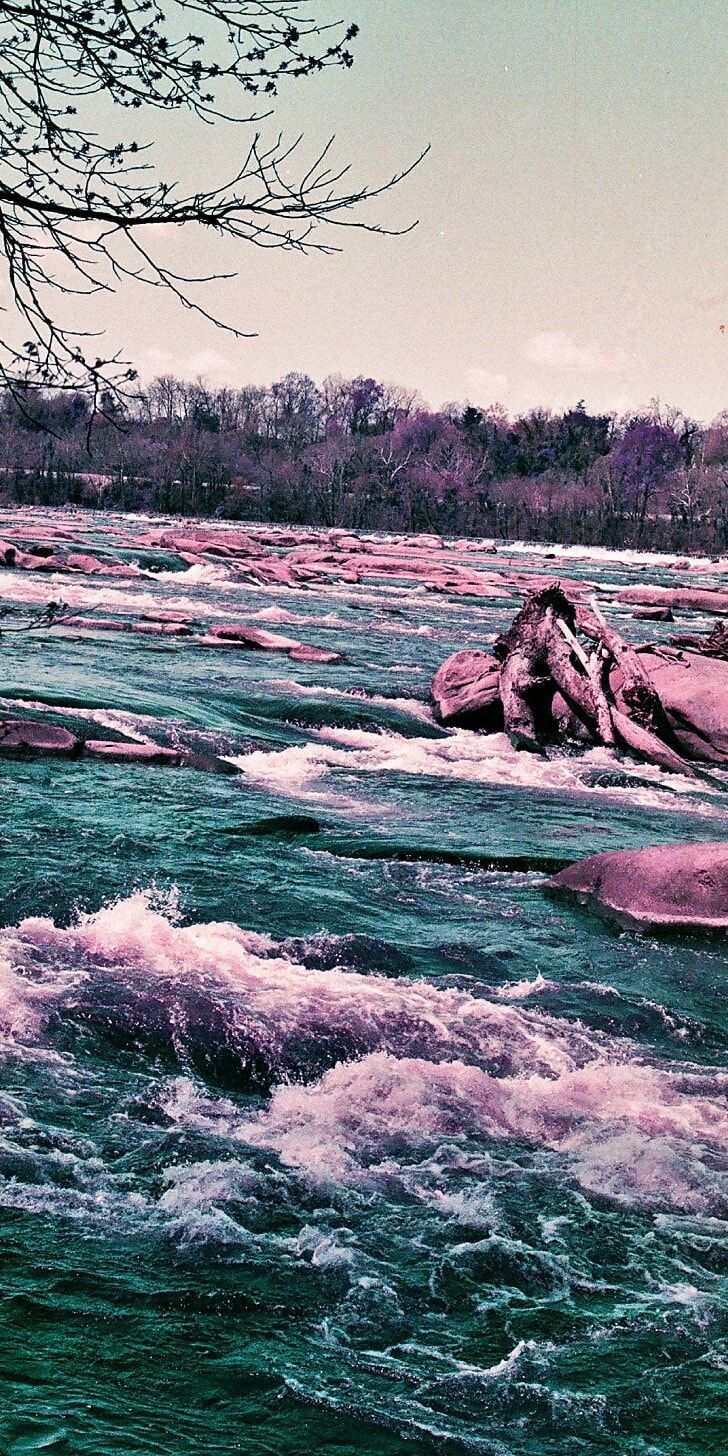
(77, 203)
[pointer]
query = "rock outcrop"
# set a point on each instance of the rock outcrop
(679, 887)
(152, 754)
(466, 692)
(234, 635)
(29, 739)
(561, 671)
(686, 599)
(693, 690)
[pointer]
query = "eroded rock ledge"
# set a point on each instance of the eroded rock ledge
(22, 738)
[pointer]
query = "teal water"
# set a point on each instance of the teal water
(321, 1127)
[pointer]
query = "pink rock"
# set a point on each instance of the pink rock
(89, 565)
(668, 886)
(240, 636)
(153, 755)
(693, 690)
(167, 615)
(307, 653)
(24, 739)
(224, 544)
(653, 614)
(162, 629)
(465, 691)
(25, 562)
(274, 571)
(688, 599)
(93, 567)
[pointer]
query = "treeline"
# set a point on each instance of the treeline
(357, 453)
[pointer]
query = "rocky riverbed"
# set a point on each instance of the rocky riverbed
(334, 1098)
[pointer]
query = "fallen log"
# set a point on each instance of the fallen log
(714, 644)
(647, 745)
(538, 658)
(693, 689)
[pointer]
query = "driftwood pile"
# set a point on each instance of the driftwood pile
(562, 672)
(713, 644)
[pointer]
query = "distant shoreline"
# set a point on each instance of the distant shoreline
(567, 550)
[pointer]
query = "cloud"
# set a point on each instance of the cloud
(490, 387)
(557, 351)
(205, 363)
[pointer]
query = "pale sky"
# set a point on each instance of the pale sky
(572, 213)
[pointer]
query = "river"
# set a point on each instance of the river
(323, 1127)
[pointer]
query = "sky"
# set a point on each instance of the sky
(571, 213)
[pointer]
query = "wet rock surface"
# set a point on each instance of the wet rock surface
(466, 691)
(669, 887)
(27, 739)
(693, 690)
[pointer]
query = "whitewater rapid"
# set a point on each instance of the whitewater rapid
(357, 1066)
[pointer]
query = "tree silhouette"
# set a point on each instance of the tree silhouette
(79, 204)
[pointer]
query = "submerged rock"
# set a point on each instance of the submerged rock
(668, 886)
(94, 624)
(278, 826)
(304, 652)
(465, 691)
(162, 629)
(113, 751)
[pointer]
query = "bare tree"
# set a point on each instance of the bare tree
(79, 202)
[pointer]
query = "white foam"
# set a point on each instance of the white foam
(520, 990)
(624, 1129)
(285, 1001)
(421, 1068)
(203, 573)
(467, 757)
(132, 725)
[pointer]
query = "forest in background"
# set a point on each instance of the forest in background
(365, 455)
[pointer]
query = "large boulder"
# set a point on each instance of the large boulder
(465, 691)
(653, 614)
(693, 690)
(665, 887)
(29, 739)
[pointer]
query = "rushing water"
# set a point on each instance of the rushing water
(322, 1127)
